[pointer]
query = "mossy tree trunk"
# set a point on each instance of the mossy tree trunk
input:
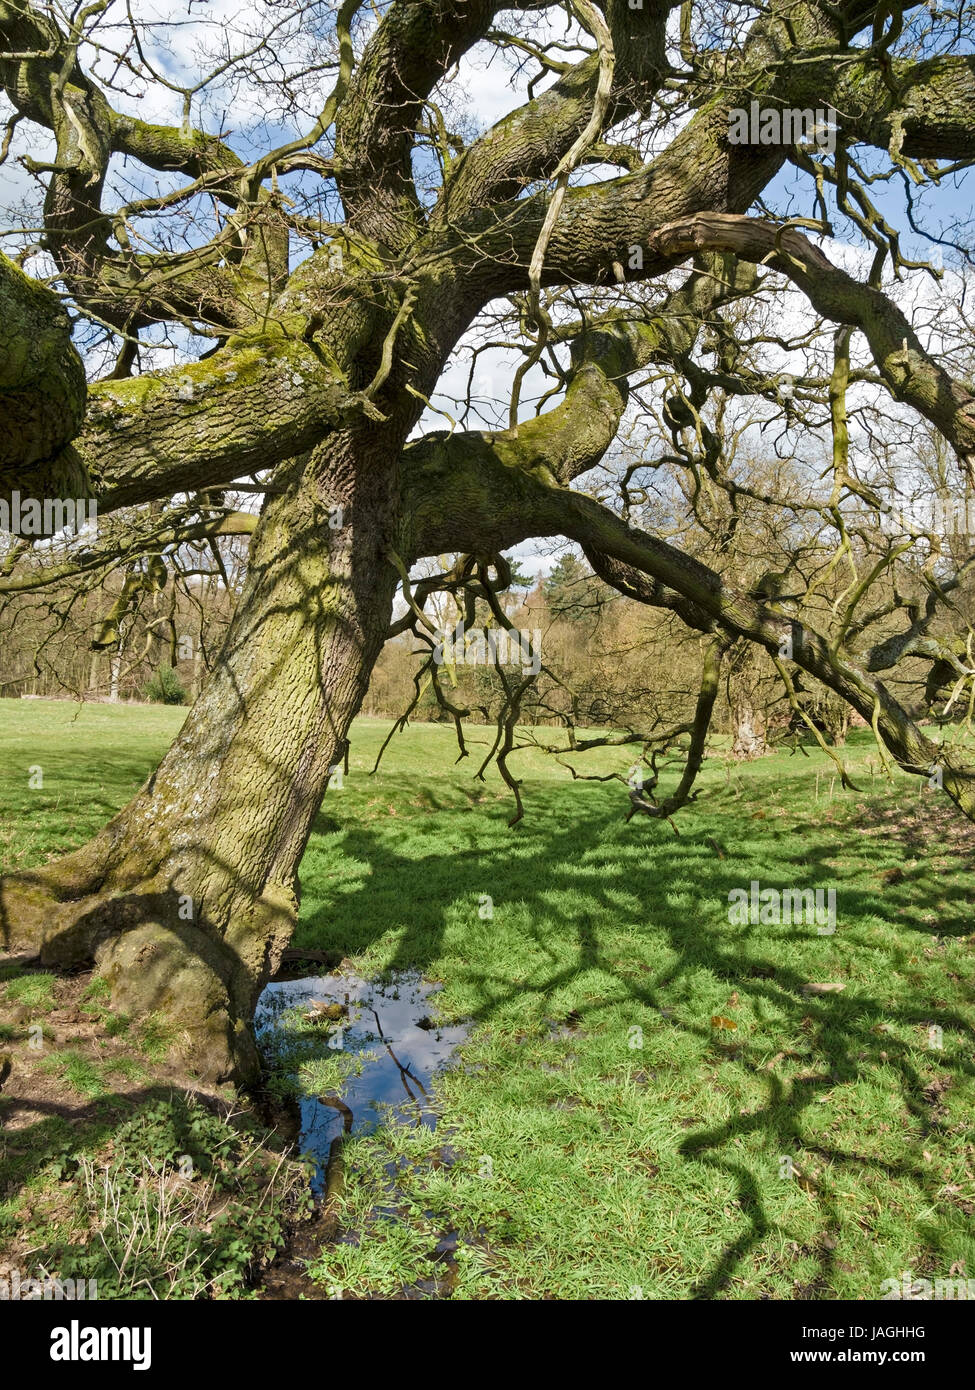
(187, 898)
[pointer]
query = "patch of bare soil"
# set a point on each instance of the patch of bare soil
(34, 1090)
(931, 826)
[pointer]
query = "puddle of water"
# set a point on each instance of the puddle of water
(387, 1030)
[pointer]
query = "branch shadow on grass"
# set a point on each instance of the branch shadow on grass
(847, 1034)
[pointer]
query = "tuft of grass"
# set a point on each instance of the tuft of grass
(181, 1204)
(96, 992)
(80, 1073)
(127, 1068)
(33, 991)
(154, 1037)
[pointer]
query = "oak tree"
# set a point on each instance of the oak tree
(271, 291)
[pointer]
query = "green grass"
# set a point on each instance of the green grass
(35, 992)
(91, 759)
(183, 1202)
(600, 1138)
(80, 1073)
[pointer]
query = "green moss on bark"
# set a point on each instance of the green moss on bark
(42, 377)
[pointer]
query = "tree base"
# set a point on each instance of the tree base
(184, 973)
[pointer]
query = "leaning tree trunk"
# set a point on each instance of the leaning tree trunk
(187, 898)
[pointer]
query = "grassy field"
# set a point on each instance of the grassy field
(652, 1102)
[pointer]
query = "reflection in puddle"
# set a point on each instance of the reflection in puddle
(386, 1040)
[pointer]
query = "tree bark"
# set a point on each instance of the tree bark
(42, 387)
(188, 897)
(749, 742)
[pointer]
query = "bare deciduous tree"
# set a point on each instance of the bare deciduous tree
(313, 272)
